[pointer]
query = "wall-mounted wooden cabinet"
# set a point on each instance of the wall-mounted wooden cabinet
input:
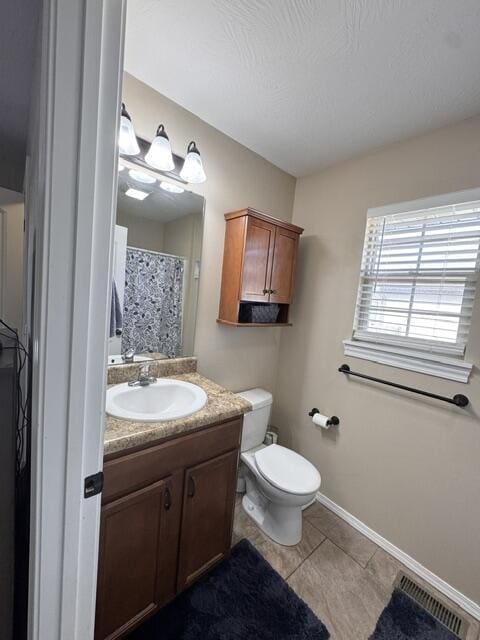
(167, 516)
(258, 269)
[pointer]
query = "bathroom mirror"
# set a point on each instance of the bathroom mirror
(156, 267)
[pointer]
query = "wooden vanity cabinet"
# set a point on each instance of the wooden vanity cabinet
(134, 578)
(259, 261)
(167, 517)
(207, 516)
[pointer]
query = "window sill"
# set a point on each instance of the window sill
(419, 361)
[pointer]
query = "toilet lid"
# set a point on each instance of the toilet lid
(287, 470)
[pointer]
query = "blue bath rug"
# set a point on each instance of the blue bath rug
(243, 598)
(404, 619)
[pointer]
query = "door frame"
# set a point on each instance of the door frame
(70, 195)
(3, 257)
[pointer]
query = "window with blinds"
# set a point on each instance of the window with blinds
(418, 279)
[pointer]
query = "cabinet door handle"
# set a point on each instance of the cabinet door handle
(191, 487)
(265, 291)
(273, 291)
(168, 499)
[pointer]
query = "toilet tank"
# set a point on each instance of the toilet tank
(255, 422)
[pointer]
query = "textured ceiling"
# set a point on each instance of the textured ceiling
(307, 83)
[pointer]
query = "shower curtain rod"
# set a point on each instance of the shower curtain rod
(158, 253)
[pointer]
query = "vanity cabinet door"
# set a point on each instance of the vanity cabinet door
(283, 267)
(135, 575)
(209, 501)
(257, 260)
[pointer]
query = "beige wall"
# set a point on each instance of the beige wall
(407, 467)
(11, 303)
(183, 237)
(236, 177)
(142, 232)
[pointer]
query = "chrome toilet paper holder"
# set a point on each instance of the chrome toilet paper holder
(331, 422)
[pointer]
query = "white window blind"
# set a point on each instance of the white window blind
(418, 278)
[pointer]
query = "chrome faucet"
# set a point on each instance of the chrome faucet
(129, 355)
(144, 377)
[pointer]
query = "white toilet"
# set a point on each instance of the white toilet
(279, 482)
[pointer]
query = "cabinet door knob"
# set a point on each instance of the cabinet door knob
(191, 487)
(273, 291)
(168, 499)
(265, 291)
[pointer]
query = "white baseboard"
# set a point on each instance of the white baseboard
(443, 587)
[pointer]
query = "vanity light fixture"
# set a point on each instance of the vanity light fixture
(141, 176)
(127, 140)
(170, 187)
(137, 194)
(159, 155)
(192, 170)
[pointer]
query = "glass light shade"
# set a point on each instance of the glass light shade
(159, 155)
(127, 140)
(192, 170)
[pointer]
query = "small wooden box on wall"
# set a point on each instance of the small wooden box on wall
(258, 273)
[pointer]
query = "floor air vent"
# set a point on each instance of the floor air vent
(453, 622)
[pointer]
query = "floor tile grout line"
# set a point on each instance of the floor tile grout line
(351, 557)
(344, 550)
(269, 540)
(306, 558)
(374, 554)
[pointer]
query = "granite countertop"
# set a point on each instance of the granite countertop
(221, 405)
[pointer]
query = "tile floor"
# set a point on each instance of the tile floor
(343, 577)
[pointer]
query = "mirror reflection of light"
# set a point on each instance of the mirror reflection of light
(121, 166)
(136, 193)
(170, 187)
(141, 176)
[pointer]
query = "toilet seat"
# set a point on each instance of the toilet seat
(287, 470)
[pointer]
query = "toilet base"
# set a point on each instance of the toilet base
(283, 524)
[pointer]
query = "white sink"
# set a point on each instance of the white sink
(165, 399)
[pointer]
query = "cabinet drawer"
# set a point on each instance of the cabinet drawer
(141, 468)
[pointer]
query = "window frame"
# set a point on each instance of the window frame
(423, 356)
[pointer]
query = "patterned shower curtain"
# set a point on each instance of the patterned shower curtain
(152, 317)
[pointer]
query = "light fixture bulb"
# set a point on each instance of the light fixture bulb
(171, 188)
(159, 155)
(141, 176)
(137, 194)
(127, 140)
(192, 170)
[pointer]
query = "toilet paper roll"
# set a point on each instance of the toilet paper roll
(321, 421)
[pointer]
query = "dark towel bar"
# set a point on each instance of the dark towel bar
(459, 400)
